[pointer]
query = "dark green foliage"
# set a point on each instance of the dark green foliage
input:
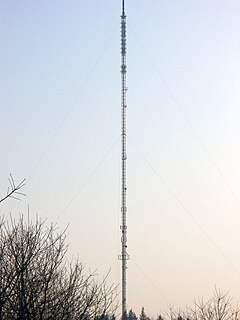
(131, 315)
(143, 315)
(159, 317)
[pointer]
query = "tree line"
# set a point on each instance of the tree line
(219, 307)
(37, 282)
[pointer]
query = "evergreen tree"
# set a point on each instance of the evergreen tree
(143, 315)
(131, 315)
(159, 317)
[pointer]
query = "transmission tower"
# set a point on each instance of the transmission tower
(124, 255)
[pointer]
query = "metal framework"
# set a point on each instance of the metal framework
(124, 255)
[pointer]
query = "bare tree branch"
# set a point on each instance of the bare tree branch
(13, 190)
(37, 282)
(219, 307)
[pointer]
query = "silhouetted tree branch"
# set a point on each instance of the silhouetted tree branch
(219, 307)
(37, 282)
(13, 189)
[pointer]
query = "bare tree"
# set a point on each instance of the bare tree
(37, 282)
(219, 307)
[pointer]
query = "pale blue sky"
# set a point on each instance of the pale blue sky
(60, 112)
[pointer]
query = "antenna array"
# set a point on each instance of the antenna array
(124, 255)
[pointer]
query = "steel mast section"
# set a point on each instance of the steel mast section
(124, 255)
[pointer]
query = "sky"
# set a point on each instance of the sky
(60, 129)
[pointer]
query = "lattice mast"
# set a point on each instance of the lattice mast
(124, 255)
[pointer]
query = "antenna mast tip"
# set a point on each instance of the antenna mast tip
(123, 7)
